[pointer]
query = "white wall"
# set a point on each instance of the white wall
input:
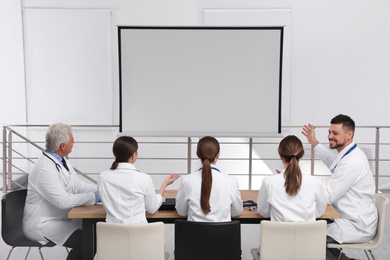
(339, 58)
(68, 57)
(340, 61)
(340, 55)
(12, 91)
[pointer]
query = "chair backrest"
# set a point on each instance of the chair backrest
(130, 241)
(207, 240)
(293, 240)
(381, 203)
(12, 218)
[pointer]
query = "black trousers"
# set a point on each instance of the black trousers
(332, 253)
(75, 243)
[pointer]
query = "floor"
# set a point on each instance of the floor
(250, 234)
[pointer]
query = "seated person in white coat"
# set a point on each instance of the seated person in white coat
(126, 192)
(291, 196)
(208, 195)
(351, 186)
(54, 189)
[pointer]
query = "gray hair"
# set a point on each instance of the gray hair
(56, 135)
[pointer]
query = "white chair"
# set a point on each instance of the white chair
(130, 241)
(381, 203)
(292, 240)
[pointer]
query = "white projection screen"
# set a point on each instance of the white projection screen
(195, 81)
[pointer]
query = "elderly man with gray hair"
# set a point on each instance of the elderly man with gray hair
(54, 189)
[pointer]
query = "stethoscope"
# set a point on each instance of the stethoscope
(213, 168)
(66, 179)
(58, 166)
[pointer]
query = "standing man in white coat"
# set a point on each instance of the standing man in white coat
(351, 186)
(54, 189)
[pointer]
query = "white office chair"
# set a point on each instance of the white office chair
(292, 241)
(130, 241)
(381, 204)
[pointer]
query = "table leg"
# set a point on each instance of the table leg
(89, 238)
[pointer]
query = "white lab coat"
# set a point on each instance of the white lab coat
(225, 198)
(126, 193)
(307, 205)
(351, 191)
(52, 193)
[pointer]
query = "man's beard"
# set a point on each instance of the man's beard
(337, 145)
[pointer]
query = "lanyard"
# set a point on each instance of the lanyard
(350, 150)
(211, 168)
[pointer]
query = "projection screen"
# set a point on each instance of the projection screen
(195, 81)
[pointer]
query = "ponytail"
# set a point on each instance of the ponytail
(114, 165)
(291, 150)
(207, 151)
(207, 180)
(293, 177)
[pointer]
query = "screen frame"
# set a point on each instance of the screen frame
(204, 27)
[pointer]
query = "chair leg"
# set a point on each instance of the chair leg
(10, 251)
(40, 252)
(28, 252)
(372, 256)
(341, 255)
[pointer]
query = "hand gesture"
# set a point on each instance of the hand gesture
(309, 132)
(171, 178)
(168, 181)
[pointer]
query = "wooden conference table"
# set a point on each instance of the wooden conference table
(90, 215)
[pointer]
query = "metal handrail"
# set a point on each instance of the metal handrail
(8, 150)
(10, 165)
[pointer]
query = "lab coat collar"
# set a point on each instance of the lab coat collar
(345, 150)
(213, 167)
(281, 174)
(340, 155)
(64, 174)
(58, 161)
(56, 156)
(125, 165)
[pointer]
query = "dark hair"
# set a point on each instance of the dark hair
(124, 147)
(347, 123)
(207, 150)
(291, 150)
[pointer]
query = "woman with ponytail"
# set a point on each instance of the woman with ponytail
(126, 192)
(208, 195)
(291, 196)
